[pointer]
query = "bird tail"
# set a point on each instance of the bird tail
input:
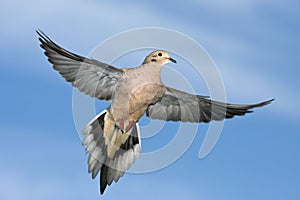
(111, 152)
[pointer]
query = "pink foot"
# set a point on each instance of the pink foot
(121, 123)
(130, 125)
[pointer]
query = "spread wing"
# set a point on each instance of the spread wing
(90, 76)
(176, 105)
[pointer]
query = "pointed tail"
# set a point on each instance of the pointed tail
(109, 153)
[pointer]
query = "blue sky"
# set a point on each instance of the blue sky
(254, 44)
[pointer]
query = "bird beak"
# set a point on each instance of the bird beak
(172, 60)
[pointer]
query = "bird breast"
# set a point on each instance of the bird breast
(134, 92)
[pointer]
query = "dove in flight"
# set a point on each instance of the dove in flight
(112, 138)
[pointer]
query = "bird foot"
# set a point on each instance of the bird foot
(130, 125)
(121, 123)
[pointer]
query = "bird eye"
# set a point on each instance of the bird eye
(159, 54)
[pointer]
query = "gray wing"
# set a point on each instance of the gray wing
(90, 76)
(176, 105)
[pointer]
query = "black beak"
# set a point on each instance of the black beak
(172, 60)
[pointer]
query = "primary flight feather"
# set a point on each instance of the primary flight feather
(112, 138)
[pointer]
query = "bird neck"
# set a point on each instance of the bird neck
(152, 70)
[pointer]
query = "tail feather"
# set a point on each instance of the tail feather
(103, 178)
(111, 168)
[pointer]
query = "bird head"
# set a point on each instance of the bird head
(160, 57)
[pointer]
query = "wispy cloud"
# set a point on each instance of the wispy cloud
(253, 43)
(101, 20)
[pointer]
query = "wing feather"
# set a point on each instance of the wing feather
(177, 105)
(90, 76)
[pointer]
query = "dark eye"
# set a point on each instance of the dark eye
(159, 54)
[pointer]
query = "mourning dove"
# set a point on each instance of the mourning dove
(112, 138)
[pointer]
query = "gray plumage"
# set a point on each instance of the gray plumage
(176, 105)
(90, 76)
(111, 169)
(112, 138)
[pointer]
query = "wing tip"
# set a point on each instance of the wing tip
(43, 38)
(264, 103)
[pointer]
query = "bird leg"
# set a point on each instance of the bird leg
(130, 125)
(121, 123)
